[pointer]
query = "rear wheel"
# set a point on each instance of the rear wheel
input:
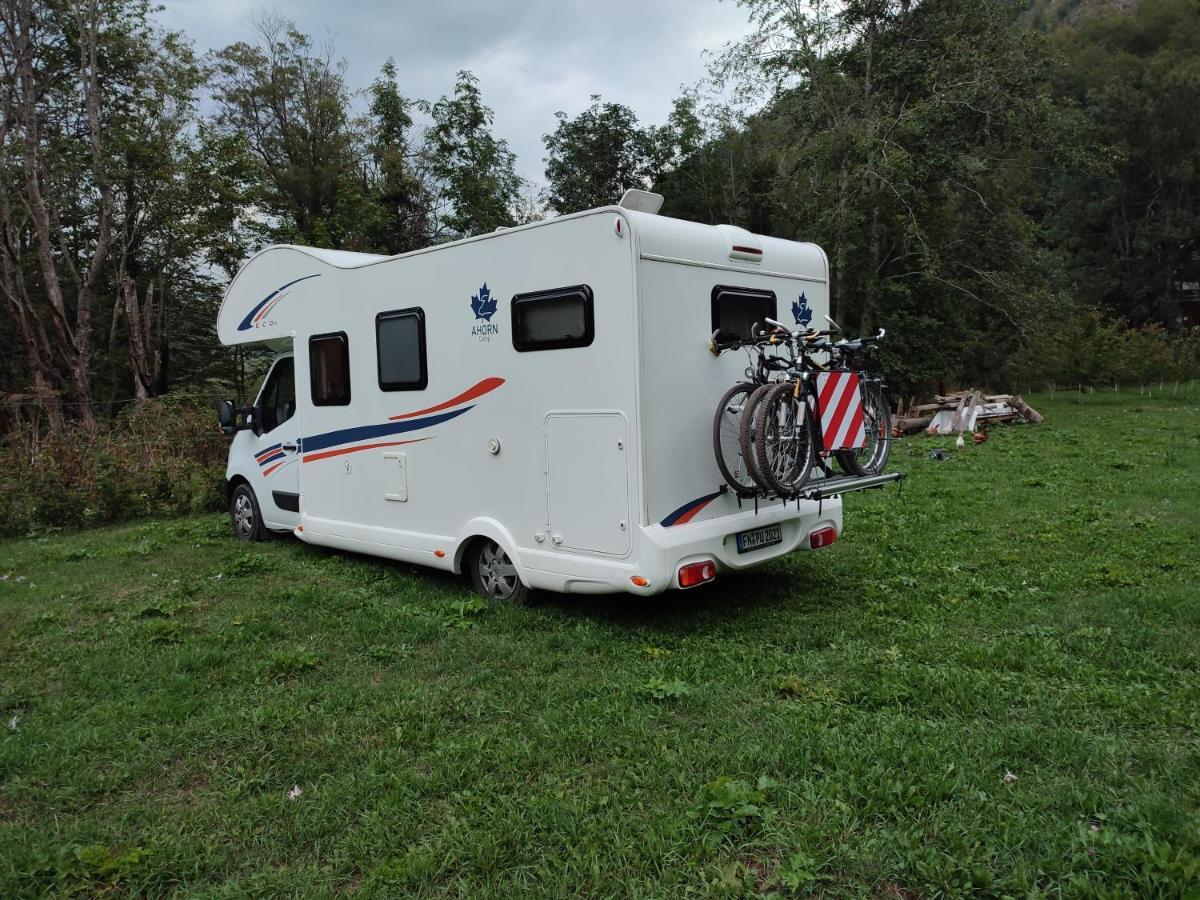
(748, 433)
(727, 438)
(783, 440)
(245, 515)
(872, 457)
(493, 573)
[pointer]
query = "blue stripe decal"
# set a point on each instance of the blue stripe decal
(365, 432)
(246, 322)
(678, 514)
(272, 458)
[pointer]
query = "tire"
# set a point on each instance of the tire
(783, 440)
(245, 515)
(747, 437)
(736, 469)
(494, 575)
(872, 457)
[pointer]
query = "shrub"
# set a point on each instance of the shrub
(162, 457)
(1094, 349)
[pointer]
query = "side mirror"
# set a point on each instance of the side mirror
(226, 416)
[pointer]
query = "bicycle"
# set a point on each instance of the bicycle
(736, 468)
(794, 425)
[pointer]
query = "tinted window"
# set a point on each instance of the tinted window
(400, 344)
(278, 399)
(553, 320)
(735, 311)
(329, 369)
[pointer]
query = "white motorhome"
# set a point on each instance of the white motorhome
(532, 406)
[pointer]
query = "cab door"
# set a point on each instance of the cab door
(276, 473)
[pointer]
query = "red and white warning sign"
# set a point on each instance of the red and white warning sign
(839, 403)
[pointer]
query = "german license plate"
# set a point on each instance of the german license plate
(759, 537)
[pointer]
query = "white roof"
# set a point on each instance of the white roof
(274, 272)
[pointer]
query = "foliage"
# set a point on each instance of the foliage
(1048, 626)
(1130, 228)
(477, 169)
(1092, 349)
(593, 158)
(665, 689)
(162, 457)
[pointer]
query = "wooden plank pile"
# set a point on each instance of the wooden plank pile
(961, 411)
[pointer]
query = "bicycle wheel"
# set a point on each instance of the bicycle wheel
(748, 434)
(871, 457)
(783, 440)
(727, 437)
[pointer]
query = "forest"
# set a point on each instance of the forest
(1011, 189)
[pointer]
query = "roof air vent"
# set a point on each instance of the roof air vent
(641, 201)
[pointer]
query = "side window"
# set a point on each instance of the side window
(278, 398)
(329, 369)
(553, 320)
(736, 310)
(400, 346)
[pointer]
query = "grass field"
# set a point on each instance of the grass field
(989, 686)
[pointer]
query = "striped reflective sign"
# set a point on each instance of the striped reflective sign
(840, 404)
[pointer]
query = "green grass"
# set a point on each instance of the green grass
(841, 723)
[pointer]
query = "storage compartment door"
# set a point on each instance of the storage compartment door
(587, 482)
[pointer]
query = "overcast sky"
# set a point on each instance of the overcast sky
(532, 58)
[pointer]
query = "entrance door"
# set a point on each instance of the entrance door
(276, 448)
(587, 489)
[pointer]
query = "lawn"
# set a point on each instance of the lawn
(988, 686)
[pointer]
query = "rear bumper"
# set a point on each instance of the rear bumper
(660, 551)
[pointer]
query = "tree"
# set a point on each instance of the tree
(476, 170)
(901, 137)
(393, 172)
(593, 158)
(1129, 226)
(289, 102)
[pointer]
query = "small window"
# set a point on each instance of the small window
(400, 345)
(553, 320)
(736, 310)
(329, 369)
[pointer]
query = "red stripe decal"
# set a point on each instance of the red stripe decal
(485, 386)
(691, 513)
(341, 451)
(835, 424)
(272, 469)
(266, 309)
(831, 382)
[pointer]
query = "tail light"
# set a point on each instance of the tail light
(822, 537)
(697, 573)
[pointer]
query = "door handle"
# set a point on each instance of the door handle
(288, 448)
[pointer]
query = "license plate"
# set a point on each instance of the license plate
(759, 537)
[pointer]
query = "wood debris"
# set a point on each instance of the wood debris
(961, 412)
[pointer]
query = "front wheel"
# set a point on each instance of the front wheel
(494, 575)
(245, 515)
(872, 457)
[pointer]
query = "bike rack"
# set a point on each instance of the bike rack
(822, 488)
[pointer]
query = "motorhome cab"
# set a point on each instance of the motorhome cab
(533, 406)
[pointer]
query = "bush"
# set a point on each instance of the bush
(1093, 349)
(162, 457)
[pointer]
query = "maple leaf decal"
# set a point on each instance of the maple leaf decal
(483, 304)
(801, 311)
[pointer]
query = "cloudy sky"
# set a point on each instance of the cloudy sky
(532, 58)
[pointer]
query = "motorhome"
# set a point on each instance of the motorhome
(532, 407)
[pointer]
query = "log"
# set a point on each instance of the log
(1028, 413)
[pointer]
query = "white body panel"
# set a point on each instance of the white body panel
(588, 465)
